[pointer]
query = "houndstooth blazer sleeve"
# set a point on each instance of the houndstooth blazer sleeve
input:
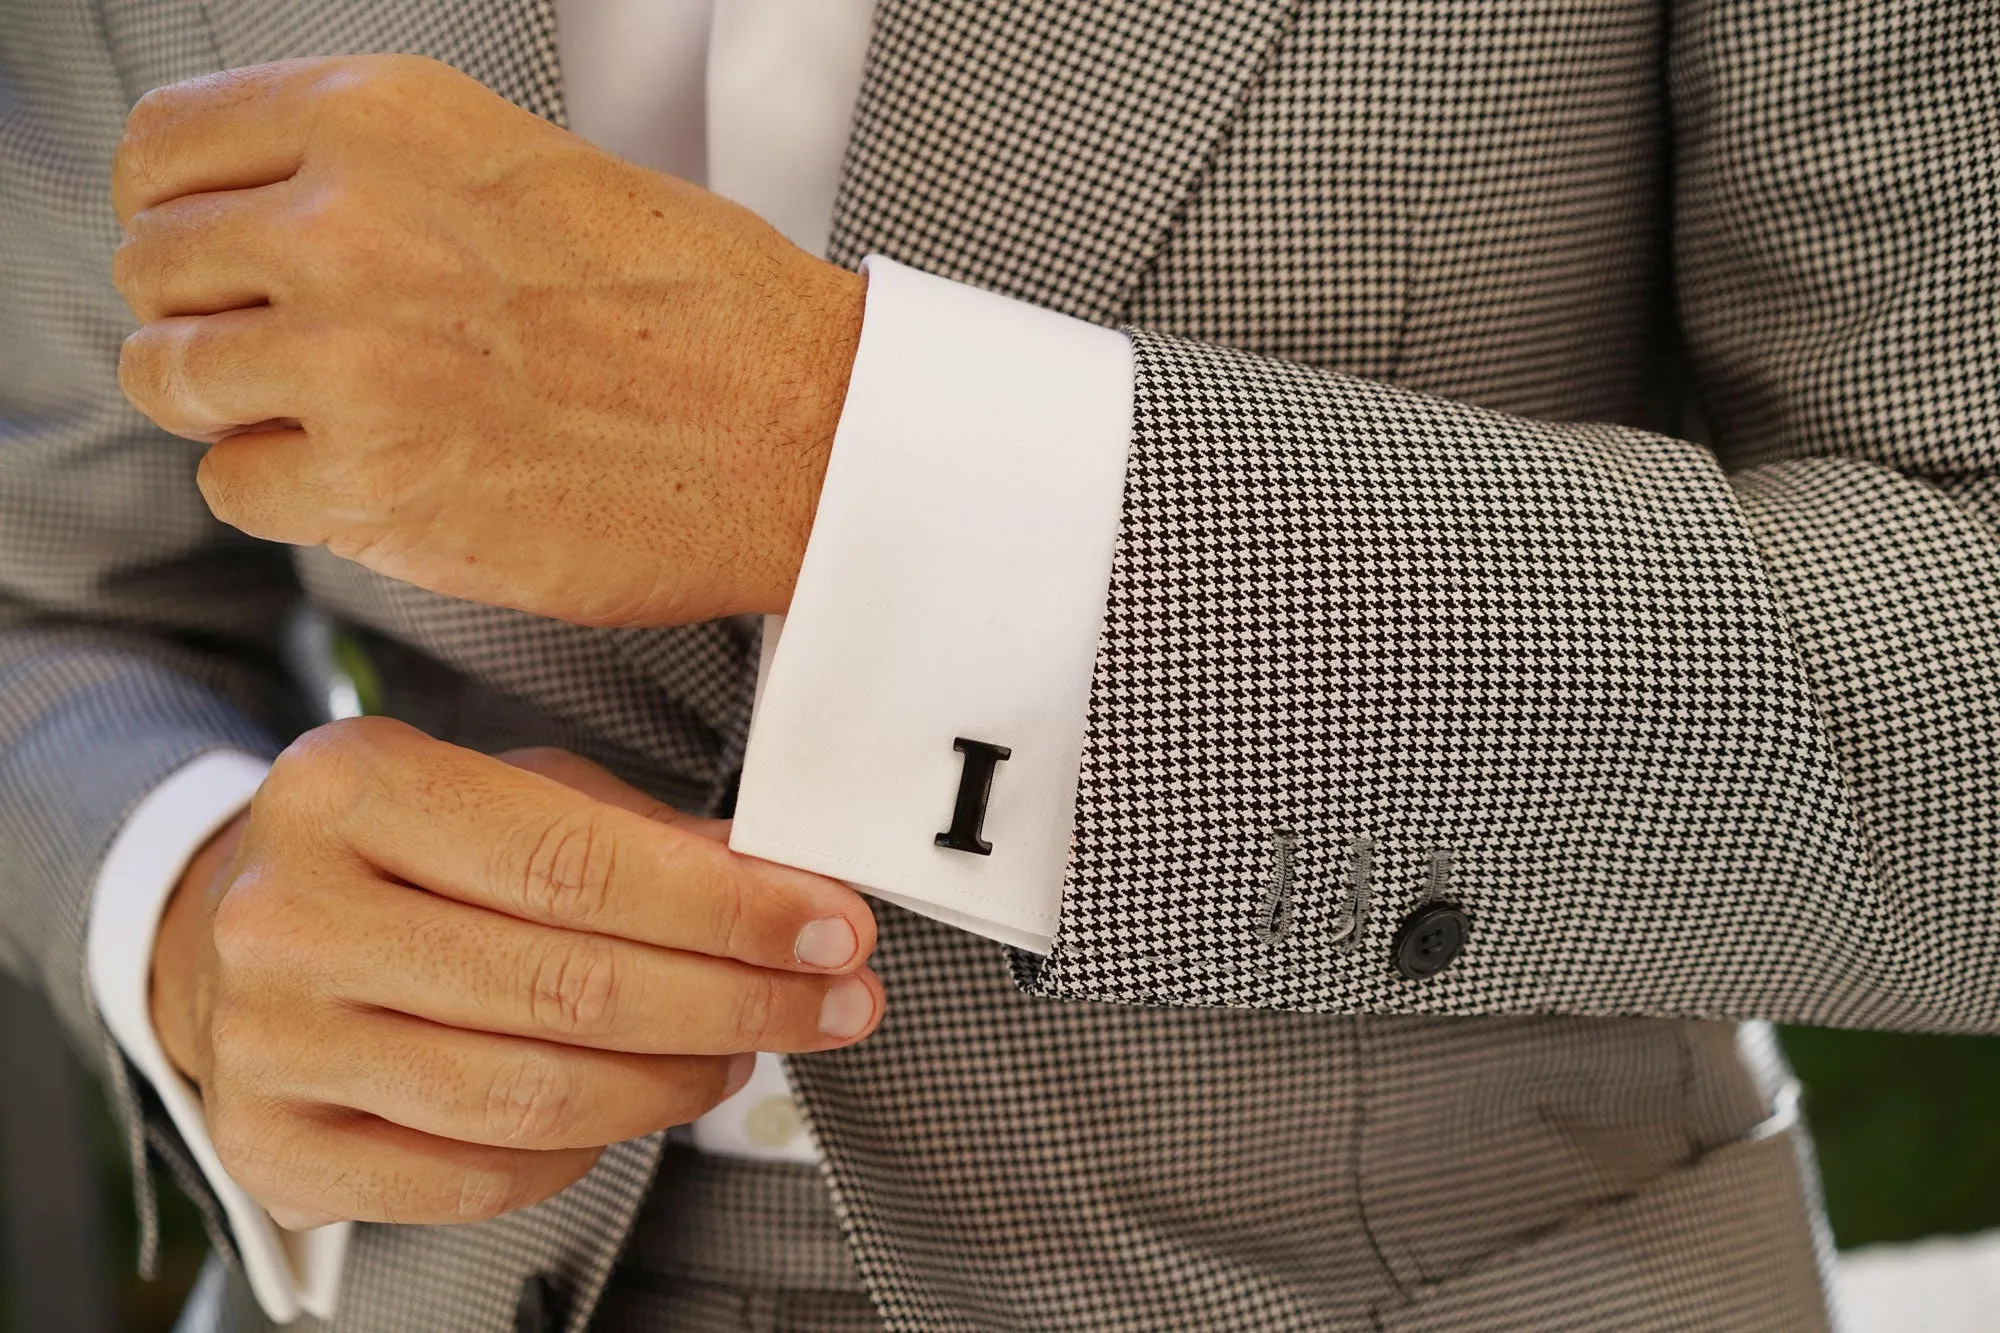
(136, 632)
(1682, 731)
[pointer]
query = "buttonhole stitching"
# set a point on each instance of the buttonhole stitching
(1361, 892)
(1275, 922)
(1438, 886)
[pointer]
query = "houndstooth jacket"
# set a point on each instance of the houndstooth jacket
(1422, 592)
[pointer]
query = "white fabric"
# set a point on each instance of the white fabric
(635, 75)
(288, 1272)
(954, 583)
(782, 78)
(1946, 1284)
(750, 1123)
(953, 586)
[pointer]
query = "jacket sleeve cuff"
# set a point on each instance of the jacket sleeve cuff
(289, 1273)
(952, 592)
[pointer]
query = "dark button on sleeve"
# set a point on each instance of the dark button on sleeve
(539, 1309)
(1429, 939)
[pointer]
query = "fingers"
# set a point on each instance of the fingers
(390, 947)
(389, 1054)
(309, 1169)
(204, 376)
(504, 1092)
(232, 130)
(238, 129)
(200, 254)
(491, 835)
(266, 479)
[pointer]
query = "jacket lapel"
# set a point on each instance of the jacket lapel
(1041, 148)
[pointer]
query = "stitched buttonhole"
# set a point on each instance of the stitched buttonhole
(1274, 918)
(1360, 892)
(1437, 887)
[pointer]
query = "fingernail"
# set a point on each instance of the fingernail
(827, 943)
(846, 1009)
(740, 1069)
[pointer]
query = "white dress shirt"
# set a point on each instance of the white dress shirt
(953, 585)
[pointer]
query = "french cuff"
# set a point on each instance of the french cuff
(947, 611)
(290, 1273)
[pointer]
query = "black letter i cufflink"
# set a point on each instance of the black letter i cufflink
(975, 783)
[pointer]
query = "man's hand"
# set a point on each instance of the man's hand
(461, 346)
(416, 984)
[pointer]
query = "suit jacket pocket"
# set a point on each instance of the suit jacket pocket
(1723, 1243)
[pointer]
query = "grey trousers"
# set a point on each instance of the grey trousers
(720, 1246)
(724, 1246)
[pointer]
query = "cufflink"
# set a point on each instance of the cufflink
(975, 783)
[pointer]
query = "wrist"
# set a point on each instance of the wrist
(834, 302)
(176, 987)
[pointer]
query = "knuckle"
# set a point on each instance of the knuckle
(139, 370)
(237, 1145)
(332, 768)
(567, 872)
(357, 90)
(373, 738)
(164, 368)
(487, 1191)
(149, 261)
(398, 72)
(237, 1056)
(252, 922)
(325, 224)
(576, 987)
(257, 1151)
(409, 1194)
(198, 360)
(732, 925)
(147, 112)
(223, 491)
(129, 265)
(136, 158)
(309, 775)
(343, 85)
(757, 1011)
(530, 1101)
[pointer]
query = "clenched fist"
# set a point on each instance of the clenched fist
(417, 984)
(457, 344)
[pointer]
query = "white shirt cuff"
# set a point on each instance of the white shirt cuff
(953, 587)
(289, 1272)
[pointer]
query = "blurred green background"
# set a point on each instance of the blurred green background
(1905, 1126)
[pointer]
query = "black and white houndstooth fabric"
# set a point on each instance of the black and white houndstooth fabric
(1418, 593)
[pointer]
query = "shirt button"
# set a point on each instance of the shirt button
(772, 1122)
(1429, 939)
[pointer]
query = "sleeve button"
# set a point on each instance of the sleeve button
(772, 1123)
(1429, 939)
